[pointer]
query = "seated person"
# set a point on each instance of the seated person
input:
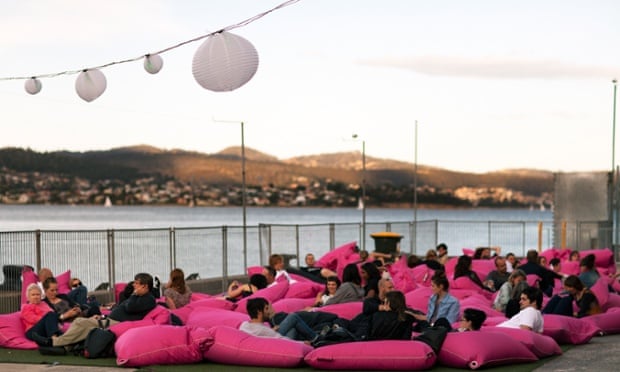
(511, 262)
(311, 271)
(441, 305)
(176, 292)
(463, 268)
(472, 320)
(530, 317)
(588, 275)
(78, 292)
(432, 261)
(270, 275)
(442, 253)
(510, 293)
(331, 286)
(292, 327)
(547, 277)
(574, 256)
(394, 321)
(136, 307)
(237, 291)
(38, 319)
(484, 253)
(350, 290)
(370, 275)
(575, 291)
(276, 261)
(65, 308)
(496, 278)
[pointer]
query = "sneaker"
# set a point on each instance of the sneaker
(40, 340)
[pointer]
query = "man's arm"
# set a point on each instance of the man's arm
(139, 304)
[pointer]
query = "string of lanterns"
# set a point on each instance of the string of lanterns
(222, 63)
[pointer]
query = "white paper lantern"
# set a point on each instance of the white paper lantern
(224, 62)
(153, 63)
(90, 84)
(33, 85)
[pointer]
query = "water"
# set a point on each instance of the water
(46, 217)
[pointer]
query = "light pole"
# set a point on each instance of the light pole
(414, 247)
(614, 179)
(363, 192)
(243, 192)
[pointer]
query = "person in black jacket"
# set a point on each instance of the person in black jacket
(547, 277)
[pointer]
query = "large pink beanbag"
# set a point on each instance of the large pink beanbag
(159, 315)
(613, 301)
(373, 355)
(482, 349)
(330, 259)
(608, 322)
(29, 277)
(602, 257)
(569, 330)
(12, 333)
(404, 280)
(232, 346)
(542, 346)
(418, 298)
(208, 318)
(422, 275)
(291, 305)
(304, 289)
(271, 294)
(160, 344)
(347, 310)
(601, 291)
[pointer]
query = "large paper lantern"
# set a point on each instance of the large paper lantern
(90, 84)
(224, 62)
(153, 63)
(33, 85)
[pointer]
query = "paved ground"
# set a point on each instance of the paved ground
(56, 368)
(600, 354)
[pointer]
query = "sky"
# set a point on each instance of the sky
(492, 85)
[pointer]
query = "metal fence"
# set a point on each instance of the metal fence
(114, 256)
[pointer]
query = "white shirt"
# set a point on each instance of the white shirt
(528, 317)
(259, 329)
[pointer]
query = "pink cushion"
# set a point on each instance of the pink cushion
(304, 289)
(404, 280)
(212, 303)
(542, 346)
(166, 345)
(232, 346)
(159, 315)
(418, 298)
(569, 330)
(208, 318)
(347, 310)
(571, 268)
(482, 349)
(12, 333)
(602, 257)
(291, 305)
(373, 355)
(613, 301)
(254, 270)
(118, 289)
(601, 291)
(330, 259)
(608, 322)
(197, 296)
(476, 302)
(29, 277)
(271, 294)
(423, 275)
(483, 267)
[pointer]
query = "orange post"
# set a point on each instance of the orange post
(540, 230)
(563, 235)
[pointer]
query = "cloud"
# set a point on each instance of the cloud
(495, 67)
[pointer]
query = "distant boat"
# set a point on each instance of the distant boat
(360, 204)
(108, 202)
(191, 203)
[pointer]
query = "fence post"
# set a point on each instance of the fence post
(37, 252)
(332, 236)
(297, 244)
(173, 258)
(111, 269)
(224, 258)
(489, 233)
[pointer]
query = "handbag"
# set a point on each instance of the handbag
(99, 342)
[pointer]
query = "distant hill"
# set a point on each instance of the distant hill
(224, 168)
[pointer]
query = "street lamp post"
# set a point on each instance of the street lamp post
(415, 191)
(614, 179)
(363, 192)
(243, 192)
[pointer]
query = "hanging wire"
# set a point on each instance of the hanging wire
(227, 28)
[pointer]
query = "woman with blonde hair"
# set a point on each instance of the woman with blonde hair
(177, 293)
(38, 319)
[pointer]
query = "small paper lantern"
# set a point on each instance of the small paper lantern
(224, 62)
(33, 85)
(153, 63)
(90, 84)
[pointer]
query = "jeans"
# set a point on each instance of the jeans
(295, 328)
(561, 305)
(45, 327)
(78, 294)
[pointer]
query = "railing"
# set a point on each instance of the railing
(114, 256)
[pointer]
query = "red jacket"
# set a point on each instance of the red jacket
(32, 313)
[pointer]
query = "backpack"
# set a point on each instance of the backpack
(99, 342)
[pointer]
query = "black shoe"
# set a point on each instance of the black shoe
(40, 340)
(52, 350)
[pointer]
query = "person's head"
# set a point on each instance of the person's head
(50, 286)
(587, 263)
(439, 282)
(45, 273)
(332, 283)
(574, 256)
(463, 265)
(276, 261)
(532, 256)
(310, 260)
(431, 255)
(363, 255)
(75, 282)
(269, 273)
(472, 319)
(396, 301)
(482, 253)
(542, 261)
(385, 285)
(33, 293)
(413, 261)
(517, 276)
(351, 274)
(177, 278)
(142, 284)
(572, 284)
(258, 280)
(510, 257)
(259, 308)
(370, 271)
(531, 297)
(442, 249)
(500, 264)
(556, 264)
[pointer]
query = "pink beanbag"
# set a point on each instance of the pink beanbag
(601, 291)
(29, 277)
(482, 349)
(602, 257)
(232, 346)
(166, 345)
(330, 259)
(418, 298)
(291, 305)
(271, 294)
(12, 333)
(404, 280)
(304, 289)
(542, 346)
(613, 301)
(373, 355)
(608, 322)
(569, 330)
(479, 304)
(207, 318)
(347, 310)
(159, 315)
